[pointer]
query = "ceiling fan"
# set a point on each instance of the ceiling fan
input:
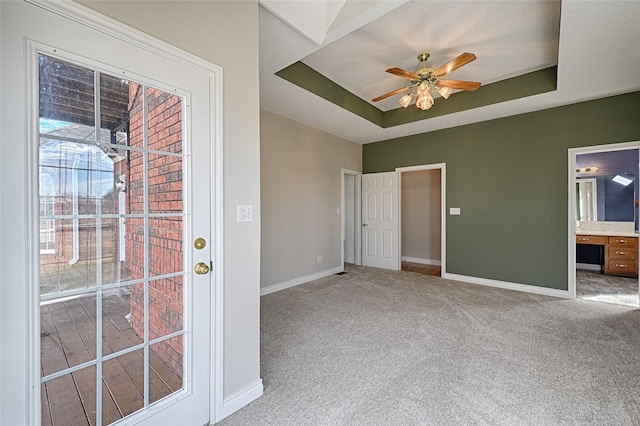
(426, 79)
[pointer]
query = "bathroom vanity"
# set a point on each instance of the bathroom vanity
(619, 245)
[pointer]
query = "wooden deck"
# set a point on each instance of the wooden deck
(68, 339)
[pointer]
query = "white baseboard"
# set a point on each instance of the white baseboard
(349, 260)
(588, 267)
(509, 286)
(244, 396)
(297, 281)
(421, 260)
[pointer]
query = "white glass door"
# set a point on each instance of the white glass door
(121, 159)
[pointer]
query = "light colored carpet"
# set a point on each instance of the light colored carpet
(375, 347)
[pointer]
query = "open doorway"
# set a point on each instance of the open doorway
(604, 212)
(350, 209)
(421, 206)
(422, 219)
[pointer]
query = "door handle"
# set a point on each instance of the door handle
(364, 224)
(201, 268)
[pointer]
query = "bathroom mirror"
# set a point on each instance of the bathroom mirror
(606, 198)
(586, 199)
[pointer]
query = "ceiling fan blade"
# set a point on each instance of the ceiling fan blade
(458, 84)
(402, 73)
(395, 92)
(456, 63)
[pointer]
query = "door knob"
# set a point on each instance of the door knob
(364, 224)
(201, 268)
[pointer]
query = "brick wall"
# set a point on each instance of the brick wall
(165, 237)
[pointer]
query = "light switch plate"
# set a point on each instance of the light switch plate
(245, 213)
(454, 211)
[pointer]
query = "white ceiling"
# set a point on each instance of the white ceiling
(352, 42)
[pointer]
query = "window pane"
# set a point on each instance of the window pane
(73, 266)
(70, 399)
(165, 184)
(134, 183)
(165, 307)
(66, 92)
(165, 245)
(120, 376)
(115, 98)
(164, 115)
(117, 331)
(165, 368)
(68, 333)
(132, 261)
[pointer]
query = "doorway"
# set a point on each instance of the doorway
(423, 227)
(350, 209)
(604, 224)
(119, 138)
(432, 261)
(421, 221)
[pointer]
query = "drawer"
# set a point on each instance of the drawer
(623, 241)
(622, 253)
(599, 240)
(622, 266)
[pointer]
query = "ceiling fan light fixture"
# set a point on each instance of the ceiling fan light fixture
(406, 99)
(426, 79)
(444, 91)
(424, 101)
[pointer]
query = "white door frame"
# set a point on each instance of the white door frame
(14, 227)
(571, 221)
(357, 213)
(443, 206)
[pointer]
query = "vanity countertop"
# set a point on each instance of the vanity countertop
(607, 233)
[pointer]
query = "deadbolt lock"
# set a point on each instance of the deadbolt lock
(200, 243)
(201, 268)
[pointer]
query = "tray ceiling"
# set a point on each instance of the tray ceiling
(351, 43)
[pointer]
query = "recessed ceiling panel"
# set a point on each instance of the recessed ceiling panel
(508, 38)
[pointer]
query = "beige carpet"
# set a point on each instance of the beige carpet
(375, 347)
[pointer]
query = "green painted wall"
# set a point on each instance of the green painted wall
(529, 84)
(509, 177)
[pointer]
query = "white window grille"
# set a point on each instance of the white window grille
(47, 211)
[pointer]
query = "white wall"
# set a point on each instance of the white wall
(301, 175)
(421, 216)
(205, 29)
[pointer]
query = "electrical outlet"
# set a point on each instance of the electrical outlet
(320, 259)
(454, 211)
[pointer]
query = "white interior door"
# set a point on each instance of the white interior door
(380, 220)
(119, 187)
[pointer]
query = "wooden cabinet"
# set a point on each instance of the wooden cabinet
(621, 256)
(620, 253)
